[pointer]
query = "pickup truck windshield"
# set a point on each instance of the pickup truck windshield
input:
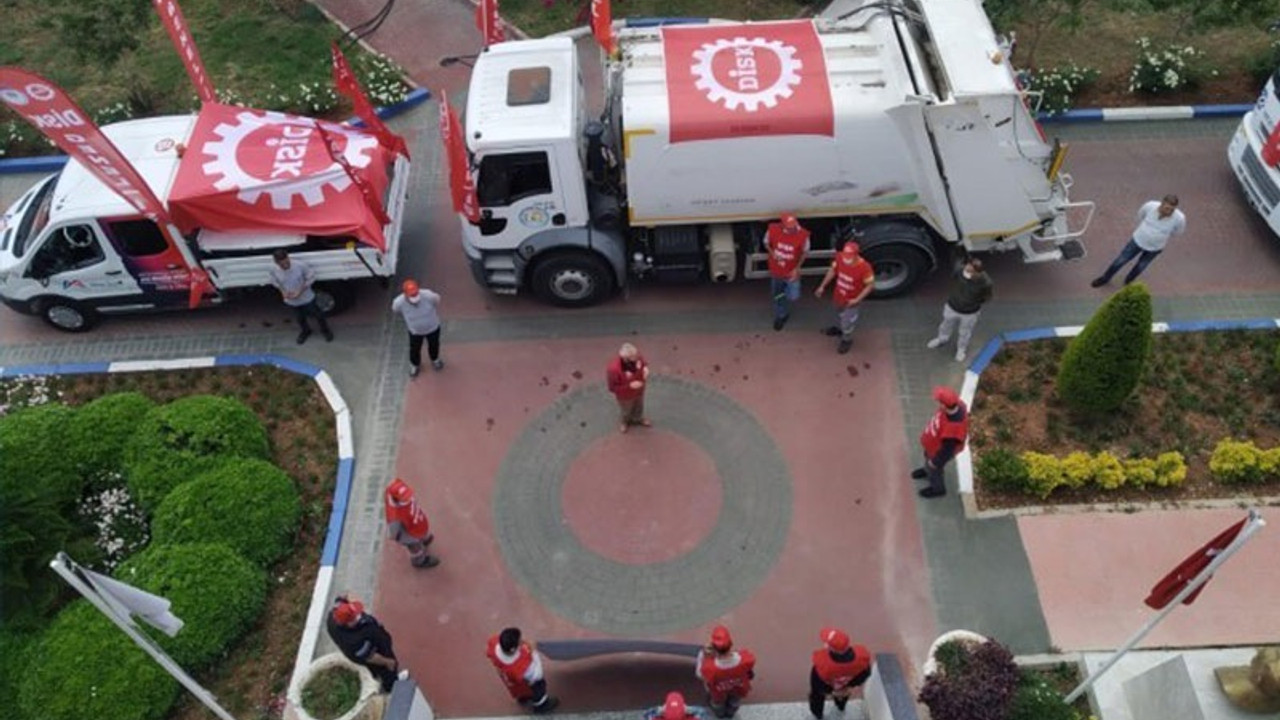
(35, 217)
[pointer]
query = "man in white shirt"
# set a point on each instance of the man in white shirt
(294, 278)
(1157, 222)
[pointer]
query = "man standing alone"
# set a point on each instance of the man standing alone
(787, 243)
(627, 376)
(726, 673)
(293, 278)
(970, 290)
(418, 307)
(943, 438)
(520, 668)
(363, 640)
(1157, 222)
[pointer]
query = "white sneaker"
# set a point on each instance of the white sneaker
(961, 355)
(413, 371)
(403, 675)
(437, 364)
(936, 343)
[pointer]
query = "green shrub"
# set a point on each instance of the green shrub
(1036, 699)
(1002, 469)
(217, 593)
(186, 438)
(86, 667)
(1167, 69)
(1236, 462)
(1103, 365)
(249, 505)
(1275, 360)
(14, 656)
(33, 451)
(1261, 66)
(101, 428)
(1059, 86)
(1171, 469)
(1044, 473)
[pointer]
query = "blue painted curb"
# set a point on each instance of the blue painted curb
(53, 163)
(645, 22)
(1149, 113)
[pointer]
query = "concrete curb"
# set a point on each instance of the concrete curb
(53, 163)
(964, 461)
(342, 486)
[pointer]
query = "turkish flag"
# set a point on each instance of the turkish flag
(462, 186)
(347, 84)
(730, 81)
(1271, 148)
(171, 17)
(54, 113)
(489, 23)
(1170, 585)
(602, 25)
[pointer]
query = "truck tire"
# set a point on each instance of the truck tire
(900, 267)
(67, 315)
(573, 279)
(333, 298)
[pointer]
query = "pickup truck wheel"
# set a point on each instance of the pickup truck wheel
(68, 315)
(899, 268)
(333, 298)
(575, 279)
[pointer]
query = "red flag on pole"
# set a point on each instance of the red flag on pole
(1170, 585)
(602, 25)
(489, 23)
(366, 190)
(462, 186)
(1271, 148)
(171, 17)
(347, 84)
(55, 114)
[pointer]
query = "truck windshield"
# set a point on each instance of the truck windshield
(35, 217)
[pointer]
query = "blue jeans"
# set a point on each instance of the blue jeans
(784, 293)
(1127, 254)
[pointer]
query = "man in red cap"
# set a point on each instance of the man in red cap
(627, 376)
(363, 640)
(407, 524)
(674, 708)
(725, 672)
(855, 279)
(787, 243)
(838, 669)
(419, 308)
(943, 438)
(520, 668)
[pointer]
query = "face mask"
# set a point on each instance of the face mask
(414, 299)
(968, 274)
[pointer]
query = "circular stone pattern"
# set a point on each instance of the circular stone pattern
(598, 592)
(667, 484)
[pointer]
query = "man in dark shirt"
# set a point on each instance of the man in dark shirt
(970, 290)
(363, 640)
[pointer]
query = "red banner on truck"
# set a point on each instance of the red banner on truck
(347, 84)
(732, 81)
(55, 114)
(176, 25)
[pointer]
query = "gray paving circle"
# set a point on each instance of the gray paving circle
(599, 593)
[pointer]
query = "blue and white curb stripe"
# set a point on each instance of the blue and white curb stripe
(346, 459)
(53, 163)
(969, 387)
(1134, 114)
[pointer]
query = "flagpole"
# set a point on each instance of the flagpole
(1254, 524)
(70, 571)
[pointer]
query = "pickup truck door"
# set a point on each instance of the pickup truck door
(158, 267)
(73, 261)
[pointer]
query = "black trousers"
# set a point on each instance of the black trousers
(817, 701)
(311, 309)
(386, 677)
(415, 347)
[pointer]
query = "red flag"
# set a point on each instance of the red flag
(1271, 148)
(171, 17)
(462, 186)
(1170, 585)
(489, 23)
(199, 287)
(602, 25)
(366, 190)
(347, 84)
(53, 113)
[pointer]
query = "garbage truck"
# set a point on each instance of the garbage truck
(901, 124)
(1254, 153)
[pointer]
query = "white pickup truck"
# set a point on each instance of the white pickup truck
(237, 183)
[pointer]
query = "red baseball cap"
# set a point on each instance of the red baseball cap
(946, 396)
(674, 708)
(852, 246)
(399, 492)
(835, 639)
(347, 611)
(721, 639)
(789, 222)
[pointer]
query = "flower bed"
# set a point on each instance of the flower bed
(249, 676)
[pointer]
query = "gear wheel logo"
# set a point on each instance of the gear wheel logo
(743, 82)
(300, 167)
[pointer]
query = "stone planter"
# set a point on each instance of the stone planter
(931, 664)
(367, 707)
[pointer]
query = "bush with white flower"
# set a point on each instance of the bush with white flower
(1059, 86)
(120, 527)
(26, 391)
(382, 79)
(1168, 68)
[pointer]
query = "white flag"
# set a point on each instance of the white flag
(127, 600)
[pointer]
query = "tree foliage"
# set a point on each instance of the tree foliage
(1103, 365)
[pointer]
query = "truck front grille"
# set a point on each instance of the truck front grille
(1262, 180)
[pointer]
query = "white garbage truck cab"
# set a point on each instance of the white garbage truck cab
(1254, 153)
(904, 129)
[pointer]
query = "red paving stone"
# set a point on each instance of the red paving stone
(853, 555)
(1094, 570)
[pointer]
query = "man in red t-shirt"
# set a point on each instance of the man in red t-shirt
(627, 375)
(787, 243)
(726, 673)
(520, 668)
(839, 668)
(855, 279)
(407, 523)
(943, 438)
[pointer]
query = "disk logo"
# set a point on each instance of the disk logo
(744, 74)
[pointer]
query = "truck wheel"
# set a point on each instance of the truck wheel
(899, 268)
(572, 279)
(68, 315)
(333, 298)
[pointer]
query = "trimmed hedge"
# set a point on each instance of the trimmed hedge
(14, 655)
(1040, 474)
(33, 452)
(217, 593)
(1103, 365)
(249, 505)
(86, 667)
(188, 437)
(101, 428)
(1243, 463)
